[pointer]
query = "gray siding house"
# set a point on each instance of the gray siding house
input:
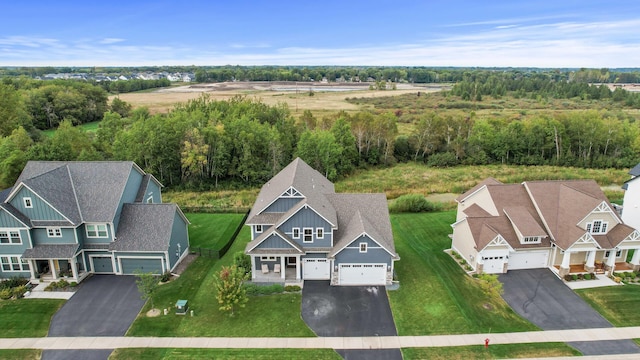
(302, 230)
(76, 218)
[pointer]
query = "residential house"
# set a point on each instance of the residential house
(567, 226)
(631, 201)
(76, 218)
(302, 230)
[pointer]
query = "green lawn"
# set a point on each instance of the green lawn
(618, 304)
(27, 317)
(89, 127)
(503, 351)
(212, 231)
(274, 315)
(259, 354)
(20, 354)
(435, 296)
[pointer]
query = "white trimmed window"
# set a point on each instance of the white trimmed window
(13, 263)
(363, 247)
(608, 253)
(10, 237)
(258, 228)
(54, 232)
(597, 227)
(295, 233)
(319, 233)
(308, 235)
(27, 202)
(97, 230)
(267, 258)
(531, 239)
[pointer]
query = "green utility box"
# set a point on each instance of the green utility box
(182, 306)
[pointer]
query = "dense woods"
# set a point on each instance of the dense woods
(242, 142)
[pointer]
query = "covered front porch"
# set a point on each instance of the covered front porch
(594, 261)
(49, 263)
(283, 268)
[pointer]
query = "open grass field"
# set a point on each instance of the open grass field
(27, 317)
(20, 354)
(224, 354)
(435, 295)
(212, 232)
(197, 285)
(618, 304)
(503, 351)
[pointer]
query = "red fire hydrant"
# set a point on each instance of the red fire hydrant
(486, 343)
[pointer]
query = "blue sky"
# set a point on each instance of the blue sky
(543, 33)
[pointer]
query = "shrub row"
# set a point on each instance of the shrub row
(14, 292)
(574, 277)
(624, 275)
(62, 284)
(13, 282)
(254, 289)
(413, 203)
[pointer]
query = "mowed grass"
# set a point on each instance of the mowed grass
(212, 231)
(224, 354)
(512, 351)
(435, 295)
(618, 304)
(20, 354)
(274, 315)
(27, 317)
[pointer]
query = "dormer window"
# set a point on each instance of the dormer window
(531, 239)
(258, 228)
(27, 202)
(597, 227)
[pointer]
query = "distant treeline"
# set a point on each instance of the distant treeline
(412, 74)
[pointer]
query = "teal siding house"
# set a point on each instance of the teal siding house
(72, 219)
(301, 229)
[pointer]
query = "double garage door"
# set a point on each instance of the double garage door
(534, 259)
(316, 269)
(131, 265)
(362, 274)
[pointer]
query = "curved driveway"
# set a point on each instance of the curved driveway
(540, 297)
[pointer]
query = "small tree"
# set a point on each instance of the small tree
(147, 285)
(231, 292)
(490, 285)
(242, 261)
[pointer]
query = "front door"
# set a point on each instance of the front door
(291, 261)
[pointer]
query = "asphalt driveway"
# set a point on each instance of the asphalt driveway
(105, 305)
(349, 311)
(540, 297)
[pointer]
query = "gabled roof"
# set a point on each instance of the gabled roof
(88, 191)
(362, 213)
(303, 178)
(487, 181)
(51, 251)
(295, 248)
(16, 214)
(524, 220)
(635, 171)
(145, 227)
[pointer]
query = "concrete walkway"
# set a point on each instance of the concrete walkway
(39, 293)
(368, 342)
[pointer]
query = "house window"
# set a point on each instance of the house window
(150, 200)
(10, 237)
(363, 247)
(54, 232)
(597, 227)
(27, 202)
(258, 228)
(14, 263)
(320, 233)
(308, 235)
(268, 258)
(296, 233)
(607, 253)
(96, 230)
(531, 239)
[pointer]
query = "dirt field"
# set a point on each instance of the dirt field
(326, 97)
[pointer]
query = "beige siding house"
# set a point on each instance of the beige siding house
(567, 226)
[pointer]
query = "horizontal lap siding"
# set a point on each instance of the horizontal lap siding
(40, 236)
(16, 249)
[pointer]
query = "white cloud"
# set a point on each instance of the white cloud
(107, 41)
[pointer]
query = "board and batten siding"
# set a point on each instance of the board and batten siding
(307, 218)
(351, 254)
(40, 236)
(179, 235)
(274, 242)
(153, 191)
(128, 194)
(16, 249)
(282, 205)
(40, 210)
(8, 221)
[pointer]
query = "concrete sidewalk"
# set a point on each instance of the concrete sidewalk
(369, 342)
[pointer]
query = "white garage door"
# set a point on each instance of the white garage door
(493, 264)
(363, 274)
(528, 259)
(316, 269)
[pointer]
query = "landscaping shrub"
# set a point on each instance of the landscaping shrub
(468, 267)
(73, 284)
(587, 276)
(19, 291)
(445, 159)
(63, 283)
(6, 294)
(463, 262)
(166, 276)
(242, 261)
(568, 277)
(580, 276)
(593, 276)
(633, 275)
(574, 277)
(490, 285)
(454, 253)
(13, 282)
(254, 289)
(413, 203)
(627, 274)
(292, 288)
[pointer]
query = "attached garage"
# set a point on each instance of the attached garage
(316, 269)
(532, 259)
(493, 264)
(130, 265)
(362, 274)
(102, 264)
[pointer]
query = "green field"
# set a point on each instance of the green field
(618, 304)
(224, 354)
(435, 295)
(27, 317)
(503, 351)
(212, 231)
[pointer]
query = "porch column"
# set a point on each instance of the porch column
(74, 268)
(635, 260)
(253, 267)
(32, 267)
(52, 268)
(283, 268)
(590, 266)
(611, 261)
(565, 267)
(298, 267)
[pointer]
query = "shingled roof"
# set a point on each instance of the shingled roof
(145, 227)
